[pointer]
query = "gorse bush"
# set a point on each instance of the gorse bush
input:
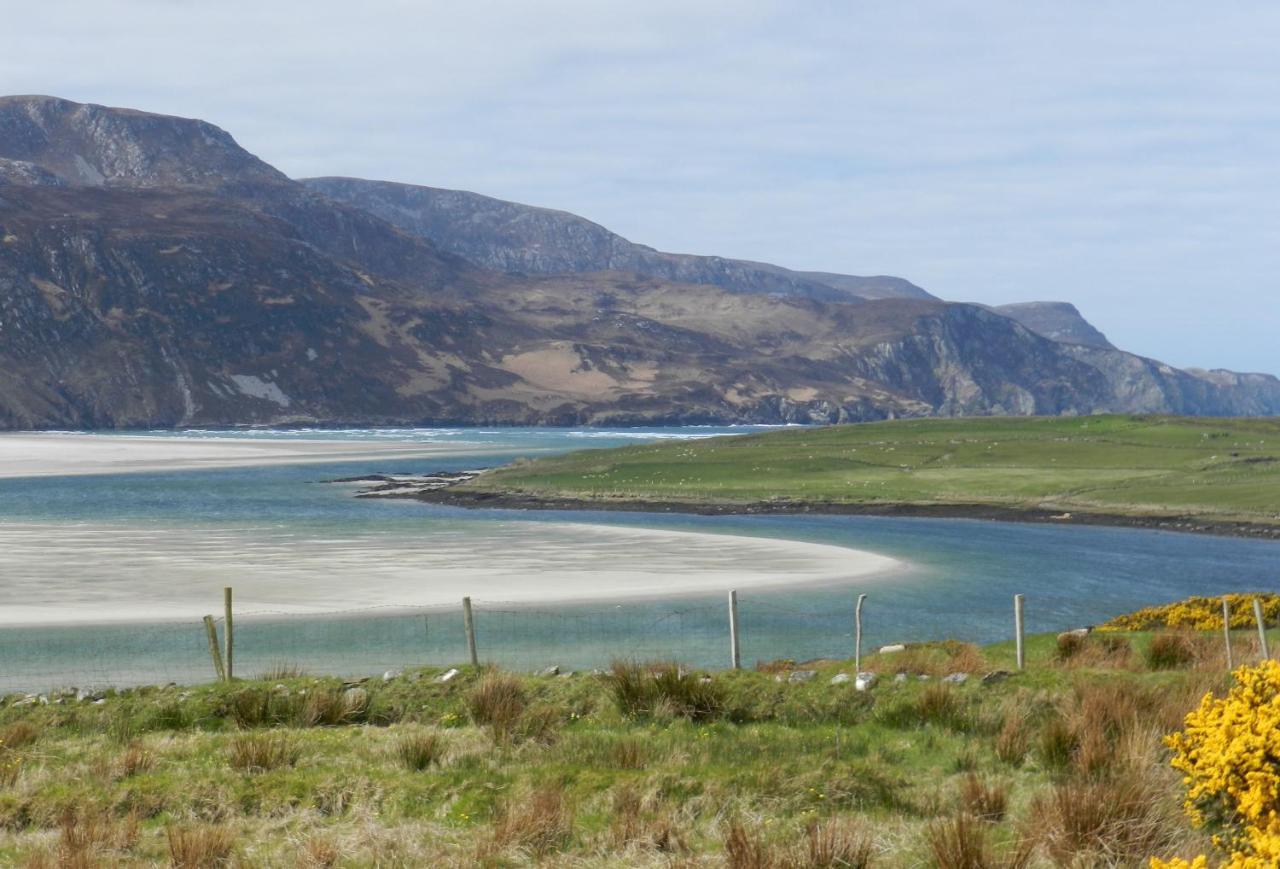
(1198, 613)
(1229, 754)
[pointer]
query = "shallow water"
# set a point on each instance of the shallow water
(962, 573)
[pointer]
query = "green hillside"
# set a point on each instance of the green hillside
(1218, 469)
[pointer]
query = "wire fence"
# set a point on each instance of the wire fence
(369, 642)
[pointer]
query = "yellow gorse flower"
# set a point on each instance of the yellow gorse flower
(1229, 754)
(1198, 613)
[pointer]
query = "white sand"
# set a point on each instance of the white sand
(92, 573)
(54, 454)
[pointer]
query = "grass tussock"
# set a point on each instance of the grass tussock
(637, 824)
(984, 800)
(499, 702)
(334, 706)
(418, 751)
(835, 842)
(1108, 822)
(1174, 650)
(136, 759)
(664, 690)
(200, 846)
(536, 825)
(966, 842)
(281, 671)
(262, 752)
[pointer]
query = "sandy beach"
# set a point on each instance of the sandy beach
(96, 573)
(66, 454)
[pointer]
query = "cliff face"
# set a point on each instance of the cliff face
(184, 282)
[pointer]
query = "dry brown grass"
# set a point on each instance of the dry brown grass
(629, 753)
(200, 846)
(418, 750)
(333, 706)
(537, 824)
(634, 823)
(135, 759)
(1109, 822)
(964, 842)
(319, 853)
(498, 703)
(1013, 740)
(260, 752)
(88, 837)
(985, 800)
(19, 734)
(831, 844)
(931, 659)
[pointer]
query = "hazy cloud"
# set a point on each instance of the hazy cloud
(1120, 156)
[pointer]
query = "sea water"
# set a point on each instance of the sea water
(960, 579)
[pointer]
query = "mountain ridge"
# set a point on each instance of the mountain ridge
(184, 282)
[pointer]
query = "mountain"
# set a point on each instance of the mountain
(153, 273)
(1058, 321)
(511, 237)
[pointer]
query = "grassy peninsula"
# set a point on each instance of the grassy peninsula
(1182, 472)
(783, 767)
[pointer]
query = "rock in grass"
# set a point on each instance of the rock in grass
(896, 647)
(864, 681)
(801, 675)
(839, 678)
(391, 674)
(447, 675)
(956, 678)
(553, 670)
(995, 676)
(901, 677)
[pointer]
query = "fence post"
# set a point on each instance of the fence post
(1226, 630)
(468, 623)
(1019, 635)
(228, 640)
(735, 650)
(857, 634)
(1262, 628)
(214, 652)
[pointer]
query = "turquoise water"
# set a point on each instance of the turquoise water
(963, 574)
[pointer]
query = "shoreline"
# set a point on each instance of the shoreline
(78, 455)
(449, 496)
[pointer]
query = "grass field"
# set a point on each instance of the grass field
(1060, 764)
(1217, 469)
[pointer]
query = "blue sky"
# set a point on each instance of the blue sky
(1122, 156)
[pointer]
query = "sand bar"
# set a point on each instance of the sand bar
(58, 454)
(60, 573)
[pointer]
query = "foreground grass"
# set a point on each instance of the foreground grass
(1057, 765)
(1222, 469)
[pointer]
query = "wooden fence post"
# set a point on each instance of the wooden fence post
(228, 640)
(1262, 628)
(1019, 635)
(1226, 630)
(857, 634)
(735, 650)
(468, 623)
(214, 652)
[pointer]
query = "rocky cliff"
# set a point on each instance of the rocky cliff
(153, 273)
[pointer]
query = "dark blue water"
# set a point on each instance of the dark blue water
(963, 576)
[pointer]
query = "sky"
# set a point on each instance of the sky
(1123, 156)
